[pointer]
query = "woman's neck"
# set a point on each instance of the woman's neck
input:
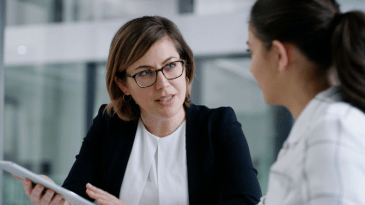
(302, 93)
(162, 127)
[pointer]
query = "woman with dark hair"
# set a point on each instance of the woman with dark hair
(150, 144)
(310, 58)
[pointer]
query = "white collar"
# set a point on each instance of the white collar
(172, 178)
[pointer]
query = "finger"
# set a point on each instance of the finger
(16, 177)
(35, 195)
(28, 186)
(111, 202)
(63, 202)
(57, 199)
(104, 202)
(98, 191)
(96, 196)
(91, 194)
(47, 197)
(67, 203)
(95, 189)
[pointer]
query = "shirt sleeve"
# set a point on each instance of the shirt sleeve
(86, 168)
(239, 177)
(331, 169)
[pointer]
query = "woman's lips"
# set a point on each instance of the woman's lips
(165, 100)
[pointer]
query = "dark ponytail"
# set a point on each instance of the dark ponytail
(324, 35)
(348, 52)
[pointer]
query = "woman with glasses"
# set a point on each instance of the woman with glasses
(299, 51)
(150, 144)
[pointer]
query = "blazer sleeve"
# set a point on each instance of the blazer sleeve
(87, 167)
(239, 177)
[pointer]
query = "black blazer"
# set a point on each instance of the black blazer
(219, 165)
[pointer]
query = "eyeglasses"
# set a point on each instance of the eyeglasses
(147, 78)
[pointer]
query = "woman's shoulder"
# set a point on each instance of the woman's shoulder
(330, 106)
(337, 123)
(341, 114)
(110, 118)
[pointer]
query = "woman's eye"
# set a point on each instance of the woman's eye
(169, 66)
(145, 73)
(249, 52)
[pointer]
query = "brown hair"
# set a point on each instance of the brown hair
(326, 36)
(129, 44)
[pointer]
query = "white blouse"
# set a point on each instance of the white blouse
(156, 172)
(323, 160)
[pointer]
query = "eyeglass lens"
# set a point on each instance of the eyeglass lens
(148, 77)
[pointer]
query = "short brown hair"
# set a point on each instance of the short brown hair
(129, 44)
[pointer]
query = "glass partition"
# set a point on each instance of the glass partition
(44, 121)
(101, 93)
(228, 82)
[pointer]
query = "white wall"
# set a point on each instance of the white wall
(89, 41)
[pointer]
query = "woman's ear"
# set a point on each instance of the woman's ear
(284, 55)
(124, 88)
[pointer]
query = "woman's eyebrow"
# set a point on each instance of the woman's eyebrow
(148, 66)
(143, 66)
(167, 59)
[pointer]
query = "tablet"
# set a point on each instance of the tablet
(21, 172)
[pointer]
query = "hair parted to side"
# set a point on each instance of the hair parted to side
(323, 34)
(130, 43)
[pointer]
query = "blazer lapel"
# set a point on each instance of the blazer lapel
(195, 174)
(120, 147)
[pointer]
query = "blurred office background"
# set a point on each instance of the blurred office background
(55, 55)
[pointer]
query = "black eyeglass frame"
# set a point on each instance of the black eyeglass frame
(156, 72)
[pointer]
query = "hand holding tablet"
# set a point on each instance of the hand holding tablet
(38, 194)
(35, 193)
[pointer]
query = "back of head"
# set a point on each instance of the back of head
(129, 44)
(323, 34)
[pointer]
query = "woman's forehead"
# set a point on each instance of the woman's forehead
(161, 52)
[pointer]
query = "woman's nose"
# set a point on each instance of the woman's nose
(162, 81)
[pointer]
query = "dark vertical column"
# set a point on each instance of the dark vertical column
(90, 92)
(283, 124)
(186, 6)
(76, 11)
(58, 11)
(2, 89)
(20, 17)
(13, 154)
